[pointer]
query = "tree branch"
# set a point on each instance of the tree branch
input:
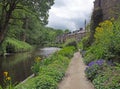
(17, 18)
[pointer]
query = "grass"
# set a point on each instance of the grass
(14, 46)
(51, 71)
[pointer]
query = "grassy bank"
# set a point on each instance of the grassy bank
(12, 45)
(49, 71)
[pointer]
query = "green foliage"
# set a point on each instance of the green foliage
(40, 8)
(94, 69)
(35, 68)
(50, 35)
(13, 45)
(95, 52)
(88, 58)
(71, 42)
(51, 71)
(19, 13)
(67, 51)
(83, 43)
(102, 75)
(108, 79)
(106, 42)
(39, 82)
(96, 18)
(106, 46)
(45, 82)
(91, 72)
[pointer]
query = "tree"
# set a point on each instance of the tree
(37, 7)
(67, 31)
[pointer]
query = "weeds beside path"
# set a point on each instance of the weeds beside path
(75, 76)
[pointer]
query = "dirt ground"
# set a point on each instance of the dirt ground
(75, 76)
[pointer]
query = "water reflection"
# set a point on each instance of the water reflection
(19, 65)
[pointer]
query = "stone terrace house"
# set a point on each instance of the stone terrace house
(78, 35)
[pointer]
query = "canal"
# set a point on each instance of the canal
(19, 65)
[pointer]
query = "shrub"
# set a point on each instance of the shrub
(14, 45)
(94, 52)
(106, 46)
(39, 82)
(94, 68)
(67, 51)
(88, 58)
(71, 42)
(45, 82)
(35, 68)
(54, 57)
(107, 38)
(85, 43)
(109, 79)
(51, 71)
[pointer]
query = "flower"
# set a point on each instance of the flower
(91, 63)
(100, 62)
(8, 78)
(5, 74)
(37, 59)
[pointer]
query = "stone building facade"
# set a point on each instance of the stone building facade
(77, 35)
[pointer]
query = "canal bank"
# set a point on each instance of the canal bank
(51, 70)
(19, 65)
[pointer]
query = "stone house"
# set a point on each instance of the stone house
(78, 35)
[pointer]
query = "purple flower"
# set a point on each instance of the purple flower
(100, 62)
(91, 63)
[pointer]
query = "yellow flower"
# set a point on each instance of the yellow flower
(8, 78)
(5, 74)
(37, 59)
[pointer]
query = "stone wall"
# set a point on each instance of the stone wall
(110, 8)
(77, 35)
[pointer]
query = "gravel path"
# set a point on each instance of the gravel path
(75, 76)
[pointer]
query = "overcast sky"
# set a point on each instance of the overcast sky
(70, 14)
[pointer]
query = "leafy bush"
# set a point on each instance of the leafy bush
(106, 42)
(109, 79)
(67, 51)
(14, 45)
(94, 68)
(89, 57)
(51, 71)
(35, 68)
(102, 75)
(71, 42)
(95, 52)
(45, 82)
(106, 46)
(85, 43)
(39, 82)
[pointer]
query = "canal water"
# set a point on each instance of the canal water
(19, 65)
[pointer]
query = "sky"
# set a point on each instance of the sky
(70, 14)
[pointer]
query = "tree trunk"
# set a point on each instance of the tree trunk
(5, 17)
(1, 36)
(25, 27)
(3, 30)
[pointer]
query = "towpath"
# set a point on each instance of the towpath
(75, 77)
